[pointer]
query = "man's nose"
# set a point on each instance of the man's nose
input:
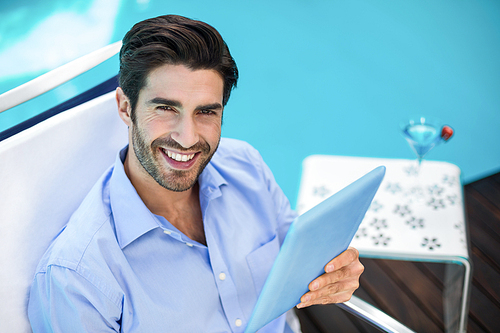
(185, 132)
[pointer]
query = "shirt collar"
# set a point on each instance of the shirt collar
(210, 181)
(131, 216)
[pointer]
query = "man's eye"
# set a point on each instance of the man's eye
(164, 108)
(207, 112)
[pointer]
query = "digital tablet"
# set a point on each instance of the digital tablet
(314, 238)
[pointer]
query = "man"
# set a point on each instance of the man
(180, 234)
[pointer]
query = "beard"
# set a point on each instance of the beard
(150, 157)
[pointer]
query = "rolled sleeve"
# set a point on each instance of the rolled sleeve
(285, 214)
(64, 300)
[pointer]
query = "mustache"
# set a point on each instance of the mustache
(171, 143)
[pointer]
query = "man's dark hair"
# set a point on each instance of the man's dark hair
(174, 40)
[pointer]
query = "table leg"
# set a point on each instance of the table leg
(456, 295)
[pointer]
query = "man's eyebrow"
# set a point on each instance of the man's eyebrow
(213, 106)
(177, 104)
(164, 101)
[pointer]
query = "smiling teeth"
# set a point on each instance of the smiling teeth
(179, 157)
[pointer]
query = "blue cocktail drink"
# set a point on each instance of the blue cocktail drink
(422, 138)
(423, 134)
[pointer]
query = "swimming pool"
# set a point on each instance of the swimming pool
(316, 77)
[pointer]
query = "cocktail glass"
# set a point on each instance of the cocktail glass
(423, 134)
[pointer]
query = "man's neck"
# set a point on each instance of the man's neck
(181, 209)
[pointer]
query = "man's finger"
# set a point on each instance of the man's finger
(349, 284)
(353, 269)
(333, 293)
(343, 259)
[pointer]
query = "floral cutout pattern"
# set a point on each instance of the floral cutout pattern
(436, 203)
(415, 222)
(376, 206)
(393, 188)
(449, 180)
(402, 210)
(431, 243)
(411, 170)
(435, 190)
(361, 233)
(321, 191)
(381, 239)
(378, 223)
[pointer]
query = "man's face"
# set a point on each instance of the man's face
(177, 125)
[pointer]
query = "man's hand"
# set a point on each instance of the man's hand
(339, 282)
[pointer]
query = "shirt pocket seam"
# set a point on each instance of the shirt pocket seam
(261, 260)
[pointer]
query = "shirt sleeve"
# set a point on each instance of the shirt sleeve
(285, 214)
(62, 300)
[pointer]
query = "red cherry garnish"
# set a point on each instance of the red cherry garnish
(446, 132)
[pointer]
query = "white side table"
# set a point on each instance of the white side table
(404, 223)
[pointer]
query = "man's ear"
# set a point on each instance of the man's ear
(124, 106)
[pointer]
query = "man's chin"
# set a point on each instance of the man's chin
(179, 187)
(178, 181)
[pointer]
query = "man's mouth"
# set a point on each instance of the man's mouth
(178, 156)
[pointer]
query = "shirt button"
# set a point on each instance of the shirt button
(238, 322)
(222, 276)
(189, 244)
(168, 232)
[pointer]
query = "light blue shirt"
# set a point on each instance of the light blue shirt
(118, 267)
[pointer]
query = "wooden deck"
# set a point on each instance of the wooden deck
(412, 292)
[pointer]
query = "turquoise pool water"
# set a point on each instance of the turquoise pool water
(317, 77)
